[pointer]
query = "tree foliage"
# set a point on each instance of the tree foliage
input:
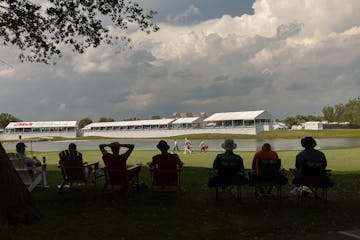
(298, 119)
(348, 112)
(131, 119)
(106, 119)
(85, 121)
(40, 31)
(156, 117)
(6, 118)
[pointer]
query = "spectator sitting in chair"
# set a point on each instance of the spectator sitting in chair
(229, 166)
(71, 157)
(116, 160)
(72, 150)
(312, 156)
(266, 154)
(30, 162)
(165, 159)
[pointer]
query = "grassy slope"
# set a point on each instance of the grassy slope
(195, 214)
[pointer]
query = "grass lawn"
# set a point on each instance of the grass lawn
(195, 214)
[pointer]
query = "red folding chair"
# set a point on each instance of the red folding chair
(165, 179)
(120, 180)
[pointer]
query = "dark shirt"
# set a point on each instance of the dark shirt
(70, 158)
(166, 161)
(228, 161)
(311, 155)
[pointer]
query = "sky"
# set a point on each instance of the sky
(288, 57)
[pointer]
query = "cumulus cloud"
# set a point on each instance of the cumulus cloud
(62, 107)
(289, 57)
(183, 17)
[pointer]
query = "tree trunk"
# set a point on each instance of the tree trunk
(16, 203)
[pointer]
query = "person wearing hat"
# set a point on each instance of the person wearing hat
(30, 162)
(309, 153)
(169, 162)
(310, 156)
(229, 166)
(165, 159)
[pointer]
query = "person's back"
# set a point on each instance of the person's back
(309, 156)
(229, 166)
(115, 160)
(228, 162)
(264, 154)
(165, 166)
(166, 161)
(310, 166)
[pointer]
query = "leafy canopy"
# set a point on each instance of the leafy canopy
(85, 121)
(6, 118)
(39, 30)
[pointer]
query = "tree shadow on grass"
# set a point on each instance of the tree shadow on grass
(195, 214)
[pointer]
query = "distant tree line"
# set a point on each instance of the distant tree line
(348, 112)
(342, 112)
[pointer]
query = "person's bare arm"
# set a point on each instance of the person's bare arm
(102, 148)
(130, 148)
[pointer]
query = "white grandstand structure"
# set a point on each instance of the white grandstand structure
(21, 130)
(248, 122)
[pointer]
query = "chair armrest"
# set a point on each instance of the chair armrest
(292, 171)
(283, 171)
(95, 164)
(250, 172)
(328, 172)
(134, 166)
(213, 172)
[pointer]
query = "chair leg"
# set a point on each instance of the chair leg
(279, 193)
(61, 188)
(217, 193)
(324, 194)
(238, 192)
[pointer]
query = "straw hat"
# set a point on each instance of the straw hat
(229, 144)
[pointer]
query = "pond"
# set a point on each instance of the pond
(214, 145)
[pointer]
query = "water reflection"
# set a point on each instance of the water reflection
(214, 145)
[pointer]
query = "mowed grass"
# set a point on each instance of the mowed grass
(195, 214)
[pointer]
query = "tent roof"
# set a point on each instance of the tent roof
(247, 115)
(41, 124)
(164, 121)
(187, 120)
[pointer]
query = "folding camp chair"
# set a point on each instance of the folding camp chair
(74, 172)
(120, 180)
(225, 178)
(31, 176)
(165, 179)
(270, 175)
(315, 177)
